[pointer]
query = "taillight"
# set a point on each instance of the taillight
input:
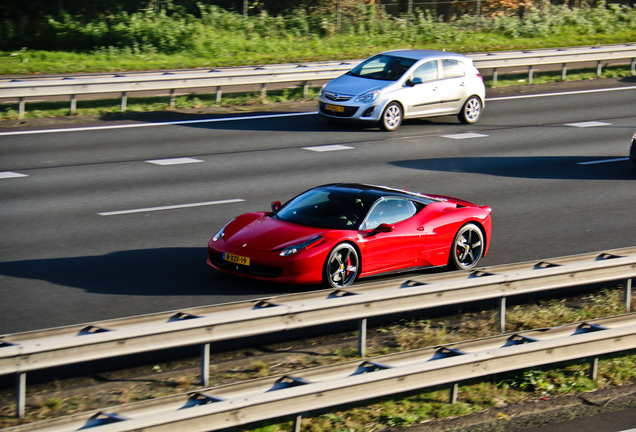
(480, 77)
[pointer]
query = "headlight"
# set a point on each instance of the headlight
(322, 90)
(300, 246)
(221, 232)
(368, 97)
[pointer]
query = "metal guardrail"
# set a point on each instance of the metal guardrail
(24, 352)
(304, 73)
(318, 388)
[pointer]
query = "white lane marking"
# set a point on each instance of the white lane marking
(269, 116)
(10, 174)
(171, 207)
(588, 124)
(464, 135)
(174, 161)
(603, 161)
(138, 125)
(326, 148)
(559, 93)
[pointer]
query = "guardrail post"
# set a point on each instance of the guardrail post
(594, 368)
(73, 105)
(21, 105)
(495, 74)
(305, 89)
(263, 91)
(124, 101)
(628, 295)
(362, 337)
(633, 66)
(599, 68)
(172, 98)
(20, 400)
(297, 422)
(219, 93)
(564, 71)
(453, 393)
(501, 315)
(205, 365)
(530, 74)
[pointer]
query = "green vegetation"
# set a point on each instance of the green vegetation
(494, 391)
(214, 37)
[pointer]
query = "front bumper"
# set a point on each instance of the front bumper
(359, 112)
(305, 267)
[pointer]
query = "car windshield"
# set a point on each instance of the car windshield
(329, 208)
(382, 67)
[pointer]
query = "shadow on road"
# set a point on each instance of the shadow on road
(155, 272)
(542, 167)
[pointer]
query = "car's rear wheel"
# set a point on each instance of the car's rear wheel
(471, 111)
(391, 117)
(342, 266)
(467, 248)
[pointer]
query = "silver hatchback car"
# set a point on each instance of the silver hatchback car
(402, 84)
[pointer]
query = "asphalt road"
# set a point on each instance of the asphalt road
(95, 225)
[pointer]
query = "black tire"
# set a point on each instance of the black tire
(391, 117)
(471, 111)
(467, 248)
(342, 266)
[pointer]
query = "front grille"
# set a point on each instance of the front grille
(337, 97)
(348, 111)
(251, 270)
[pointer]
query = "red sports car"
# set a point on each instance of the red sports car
(335, 233)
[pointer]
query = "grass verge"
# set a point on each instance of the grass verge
(397, 411)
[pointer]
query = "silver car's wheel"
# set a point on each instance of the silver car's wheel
(391, 117)
(471, 111)
(467, 248)
(342, 266)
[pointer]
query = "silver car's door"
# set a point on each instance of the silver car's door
(420, 94)
(453, 86)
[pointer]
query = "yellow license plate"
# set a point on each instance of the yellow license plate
(335, 108)
(236, 259)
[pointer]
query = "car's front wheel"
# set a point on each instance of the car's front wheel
(471, 111)
(342, 266)
(467, 248)
(391, 117)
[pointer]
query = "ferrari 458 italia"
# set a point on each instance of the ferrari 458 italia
(334, 234)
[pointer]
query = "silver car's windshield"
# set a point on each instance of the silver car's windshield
(382, 67)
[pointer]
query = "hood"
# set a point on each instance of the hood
(351, 85)
(266, 234)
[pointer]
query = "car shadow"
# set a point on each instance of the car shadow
(272, 121)
(156, 272)
(535, 167)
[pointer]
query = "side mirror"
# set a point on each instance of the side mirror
(382, 228)
(414, 81)
(276, 205)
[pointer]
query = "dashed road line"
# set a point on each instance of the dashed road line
(170, 207)
(11, 174)
(588, 124)
(174, 161)
(327, 148)
(467, 135)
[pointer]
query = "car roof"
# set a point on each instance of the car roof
(418, 54)
(374, 192)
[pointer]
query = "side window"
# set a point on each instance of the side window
(453, 68)
(389, 211)
(427, 71)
